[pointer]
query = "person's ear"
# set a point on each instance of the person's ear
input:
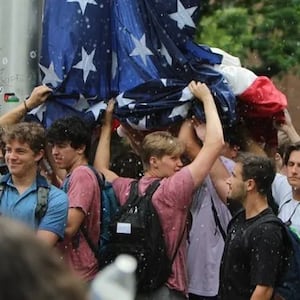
(250, 184)
(153, 162)
(39, 155)
(81, 149)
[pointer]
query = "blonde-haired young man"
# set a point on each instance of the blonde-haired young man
(161, 156)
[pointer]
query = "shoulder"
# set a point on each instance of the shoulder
(55, 192)
(57, 195)
(122, 181)
(281, 189)
(82, 170)
(121, 187)
(268, 228)
(84, 175)
(181, 181)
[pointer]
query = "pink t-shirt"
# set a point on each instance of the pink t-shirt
(83, 193)
(171, 200)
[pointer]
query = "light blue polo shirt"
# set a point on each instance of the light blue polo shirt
(22, 207)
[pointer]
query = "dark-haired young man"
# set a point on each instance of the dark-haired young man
(70, 139)
(286, 189)
(251, 261)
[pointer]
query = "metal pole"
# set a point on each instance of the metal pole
(20, 35)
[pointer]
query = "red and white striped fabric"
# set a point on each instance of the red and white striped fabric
(259, 102)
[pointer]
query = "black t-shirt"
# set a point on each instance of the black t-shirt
(252, 259)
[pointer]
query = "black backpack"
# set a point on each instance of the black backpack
(136, 230)
(287, 286)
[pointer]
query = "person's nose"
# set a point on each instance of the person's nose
(228, 180)
(179, 162)
(295, 169)
(54, 150)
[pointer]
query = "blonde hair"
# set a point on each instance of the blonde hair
(158, 144)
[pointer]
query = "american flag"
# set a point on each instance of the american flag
(140, 51)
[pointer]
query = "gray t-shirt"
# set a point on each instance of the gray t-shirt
(206, 244)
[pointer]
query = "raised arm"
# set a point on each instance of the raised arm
(288, 128)
(102, 156)
(37, 97)
(214, 141)
(218, 172)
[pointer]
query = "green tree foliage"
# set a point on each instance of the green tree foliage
(267, 30)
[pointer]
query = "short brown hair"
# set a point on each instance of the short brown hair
(158, 144)
(31, 133)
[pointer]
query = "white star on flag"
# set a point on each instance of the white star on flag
(95, 109)
(82, 103)
(86, 64)
(39, 111)
(50, 75)
(181, 110)
(186, 94)
(114, 64)
(183, 16)
(140, 126)
(166, 54)
(140, 48)
(122, 101)
(83, 4)
(164, 81)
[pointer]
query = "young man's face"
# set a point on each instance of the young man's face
(20, 159)
(237, 188)
(65, 156)
(293, 169)
(168, 165)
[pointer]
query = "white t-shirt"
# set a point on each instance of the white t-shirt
(289, 208)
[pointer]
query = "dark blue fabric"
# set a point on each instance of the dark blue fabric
(141, 51)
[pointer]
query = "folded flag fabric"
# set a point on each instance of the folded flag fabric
(259, 102)
(141, 52)
(257, 96)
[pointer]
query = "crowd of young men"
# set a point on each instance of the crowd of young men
(69, 218)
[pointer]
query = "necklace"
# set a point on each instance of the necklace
(289, 221)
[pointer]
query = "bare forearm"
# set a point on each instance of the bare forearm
(214, 141)
(37, 97)
(13, 116)
(214, 131)
(262, 293)
(292, 134)
(102, 157)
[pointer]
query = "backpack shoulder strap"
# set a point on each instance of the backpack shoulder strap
(2, 186)
(100, 177)
(42, 202)
(3, 182)
(269, 218)
(43, 189)
(217, 219)
(134, 198)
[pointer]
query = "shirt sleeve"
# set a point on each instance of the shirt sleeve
(177, 190)
(281, 189)
(121, 186)
(266, 246)
(83, 186)
(55, 218)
